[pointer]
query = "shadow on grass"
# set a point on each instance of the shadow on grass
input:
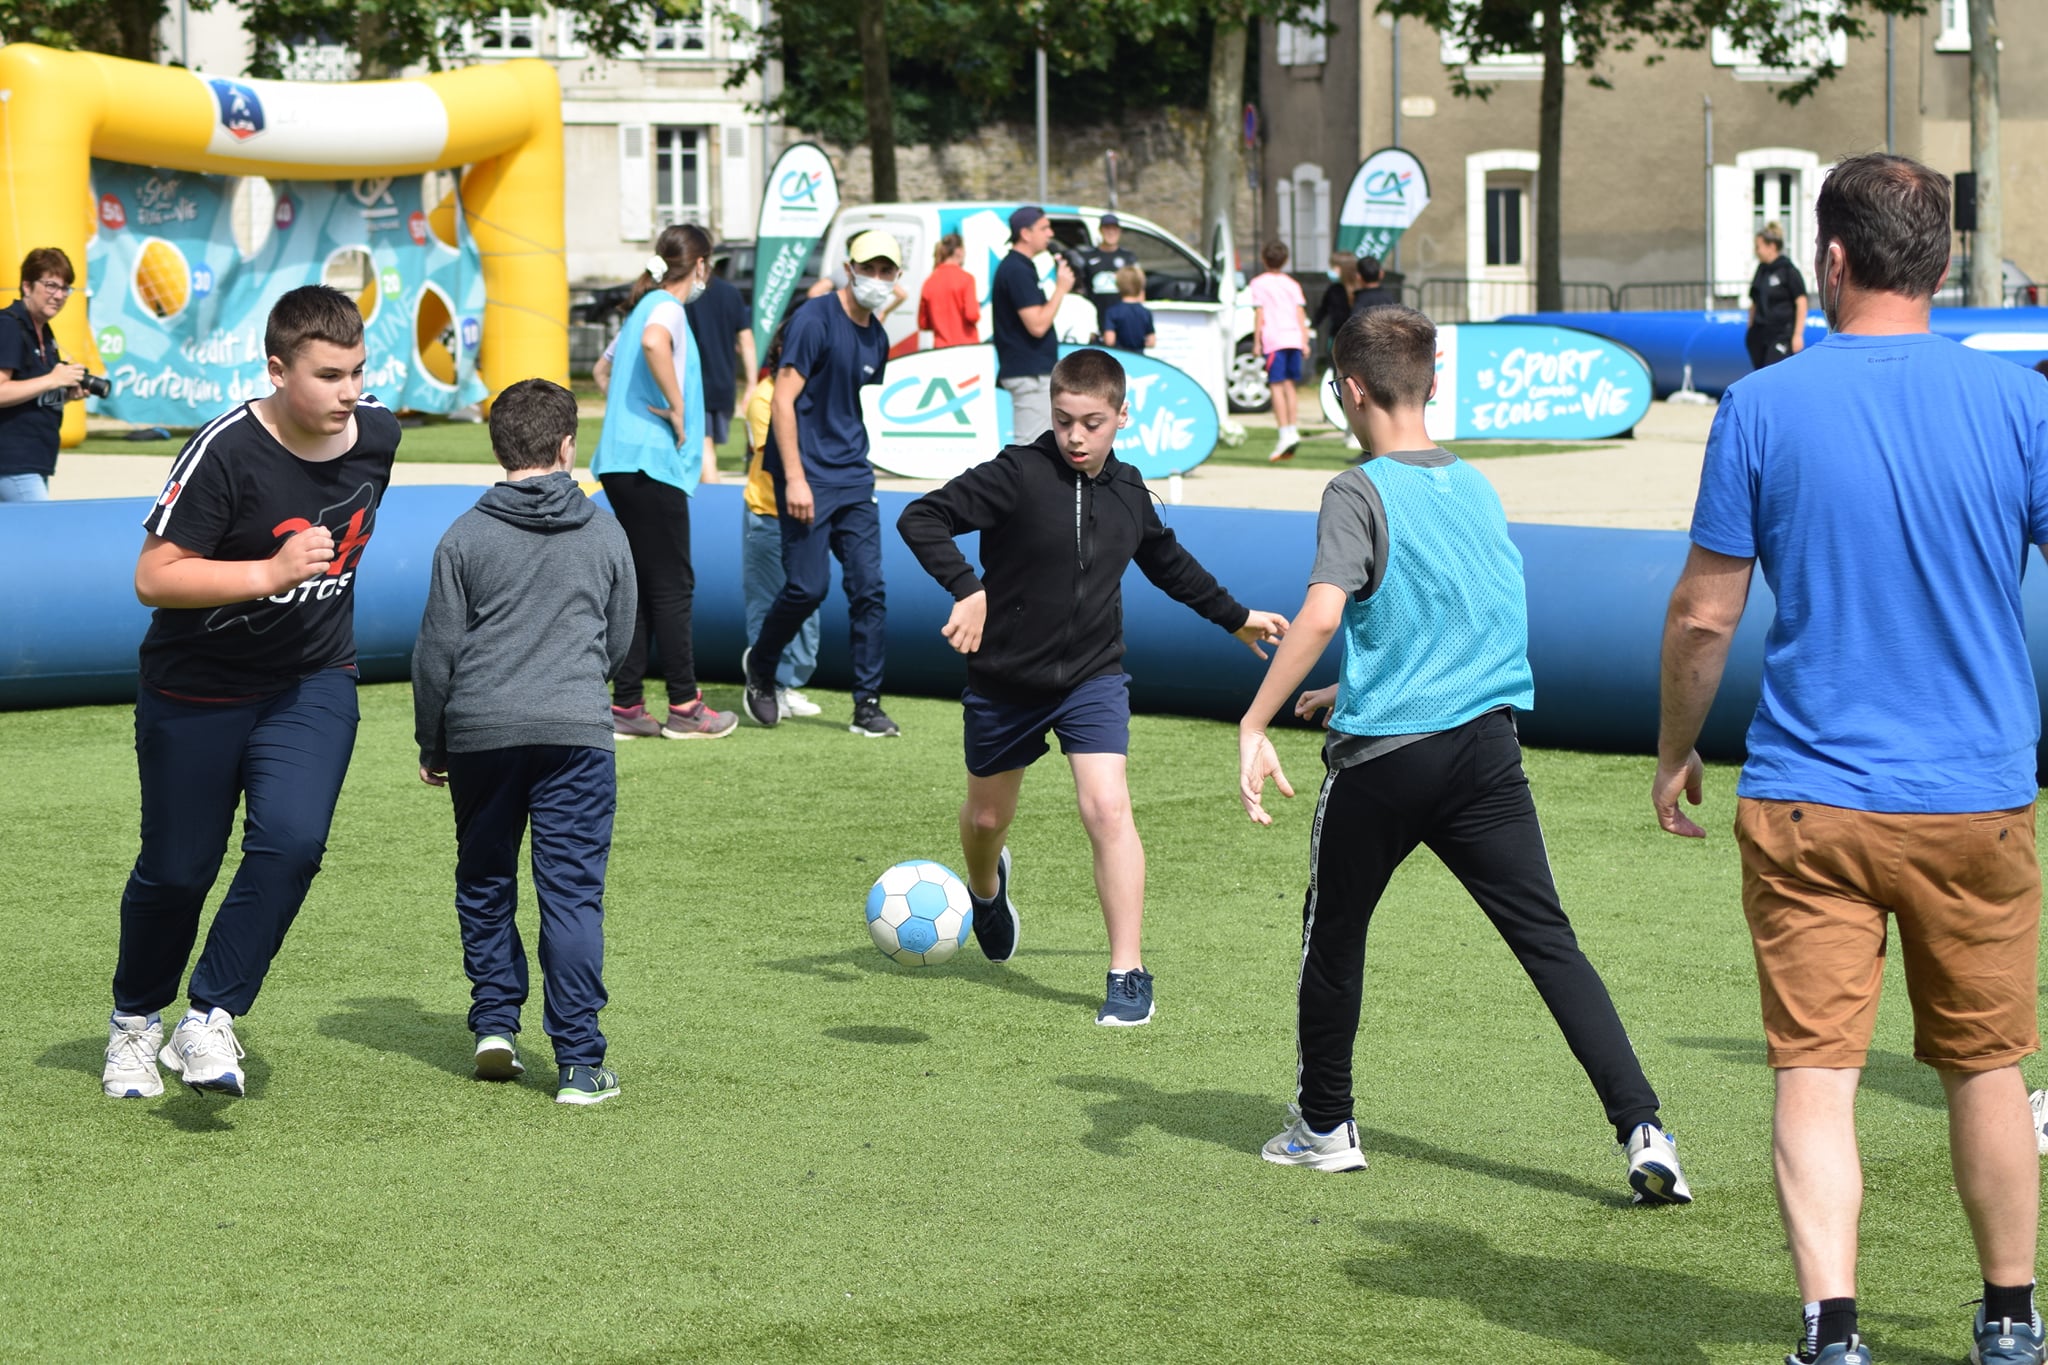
(1614, 1196)
(389, 1023)
(194, 1111)
(856, 964)
(882, 1035)
(1887, 1073)
(1625, 1312)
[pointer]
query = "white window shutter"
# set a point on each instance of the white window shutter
(1321, 246)
(636, 184)
(1734, 227)
(1283, 213)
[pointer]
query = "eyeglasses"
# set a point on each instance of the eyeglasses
(1337, 388)
(57, 287)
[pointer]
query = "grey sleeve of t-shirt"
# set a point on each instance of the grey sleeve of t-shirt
(1351, 536)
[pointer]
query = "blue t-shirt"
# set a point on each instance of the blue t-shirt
(1019, 355)
(634, 440)
(1889, 487)
(716, 320)
(1132, 323)
(836, 360)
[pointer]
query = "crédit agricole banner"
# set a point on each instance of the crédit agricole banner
(797, 207)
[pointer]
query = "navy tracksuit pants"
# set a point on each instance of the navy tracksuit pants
(286, 754)
(568, 794)
(847, 527)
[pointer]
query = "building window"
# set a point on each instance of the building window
(1775, 200)
(680, 39)
(1303, 44)
(1503, 225)
(316, 61)
(1955, 27)
(1831, 48)
(503, 34)
(1499, 66)
(1301, 206)
(679, 175)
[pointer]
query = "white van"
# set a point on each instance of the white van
(1201, 327)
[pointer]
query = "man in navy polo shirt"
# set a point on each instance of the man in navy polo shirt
(35, 381)
(824, 485)
(1021, 316)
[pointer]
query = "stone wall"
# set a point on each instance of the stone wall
(1159, 170)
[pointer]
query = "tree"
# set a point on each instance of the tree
(1792, 35)
(121, 28)
(388, 36)
(878, 97)
(1987, 244)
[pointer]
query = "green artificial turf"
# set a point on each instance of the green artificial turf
(820, 1156)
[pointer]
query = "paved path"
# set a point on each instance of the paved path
(1647, 482)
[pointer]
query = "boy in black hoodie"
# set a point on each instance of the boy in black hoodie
(1060, 520)
(530, 613)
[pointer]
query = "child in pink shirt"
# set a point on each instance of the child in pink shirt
(1280, 333)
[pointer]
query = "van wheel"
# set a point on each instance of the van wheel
(1247, 390)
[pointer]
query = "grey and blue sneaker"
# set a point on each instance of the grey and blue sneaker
(2007, 1343)
(586, 1085)
(996, 926)
(1128, 1001)
(1300, 1145)
(497, 1058)
(1850, 1352)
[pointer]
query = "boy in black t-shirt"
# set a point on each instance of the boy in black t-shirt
(248, 687)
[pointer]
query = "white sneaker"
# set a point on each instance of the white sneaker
(2038, 1102)
(1653, 1171)
(795, 703)
(1299, 1145)
(206, 1054)
(131, 1072)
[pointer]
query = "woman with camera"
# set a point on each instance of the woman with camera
(35, 382)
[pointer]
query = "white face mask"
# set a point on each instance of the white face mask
(872, 294)
(696, 290)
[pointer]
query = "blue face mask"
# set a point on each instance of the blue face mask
(1331, 273)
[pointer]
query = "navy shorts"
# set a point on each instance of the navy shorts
(1094, 718)
(717, 425)
(1283, 365)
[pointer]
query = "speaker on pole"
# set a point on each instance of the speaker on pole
(1966, 201)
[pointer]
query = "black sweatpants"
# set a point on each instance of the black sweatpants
(1462, 793)
(656, 519)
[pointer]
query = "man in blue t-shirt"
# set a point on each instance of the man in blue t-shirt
(1021, 318)
(824, 485)
(1888, 482)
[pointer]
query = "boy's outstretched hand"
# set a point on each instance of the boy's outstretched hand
(963, 628)
(1256, 762)
(1261, 627)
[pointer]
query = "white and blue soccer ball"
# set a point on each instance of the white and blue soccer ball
(919, 913)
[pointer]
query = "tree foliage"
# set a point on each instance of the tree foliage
(121, 28)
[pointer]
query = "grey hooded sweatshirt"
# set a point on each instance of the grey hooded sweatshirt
(530, 612)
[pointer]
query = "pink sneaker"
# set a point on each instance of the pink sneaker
(633, 722)
(698, 721)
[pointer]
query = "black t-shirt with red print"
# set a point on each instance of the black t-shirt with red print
(236, 493)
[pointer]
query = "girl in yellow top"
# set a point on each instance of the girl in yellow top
(761, 547)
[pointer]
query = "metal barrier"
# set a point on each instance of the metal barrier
(1468, 300)
(1678, 296)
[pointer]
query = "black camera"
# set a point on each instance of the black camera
(96, 385)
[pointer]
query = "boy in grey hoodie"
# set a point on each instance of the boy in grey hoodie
(530, 612)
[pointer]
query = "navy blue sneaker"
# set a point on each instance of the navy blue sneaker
(996, 926)
(2007, 1343)
(1128, 1001)
(586, 1085)
(1850, 1352)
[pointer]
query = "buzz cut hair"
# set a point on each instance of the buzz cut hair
(1391, 352)
(1091, 373)
(313, 312)
(528, 423)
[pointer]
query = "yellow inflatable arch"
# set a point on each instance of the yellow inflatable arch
(58, 110)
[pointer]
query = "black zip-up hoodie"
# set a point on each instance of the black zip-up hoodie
(1054, 547)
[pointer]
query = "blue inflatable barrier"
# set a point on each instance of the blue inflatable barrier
(1711, 342)
(69, 632)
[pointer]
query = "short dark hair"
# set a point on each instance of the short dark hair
(46, 260)
(528, 421)
(1091, 373)
(1369, 269)
(1274, 255)
(312, 312)
(2041, 368)
(1891, 215)
(1391, 351)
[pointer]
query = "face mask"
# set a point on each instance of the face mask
(872, 294)
(696, 290)
(1331, 273)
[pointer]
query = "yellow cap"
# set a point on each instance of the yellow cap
(874, 245)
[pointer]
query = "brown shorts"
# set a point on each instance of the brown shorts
(1817, 883)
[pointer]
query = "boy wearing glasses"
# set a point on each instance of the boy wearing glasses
(35, 382)
(824, 485)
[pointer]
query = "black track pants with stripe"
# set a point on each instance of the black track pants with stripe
(1462, 794)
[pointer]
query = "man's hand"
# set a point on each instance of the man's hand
(963, 628)
(797, 500)
(303, 554)
(1316, 699)
(1261, 627)
(1063, 276)
(433, 777)
(1664, 793)
(1256, 762)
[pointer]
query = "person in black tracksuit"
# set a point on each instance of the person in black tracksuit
(1060, 519)
(1777, 302)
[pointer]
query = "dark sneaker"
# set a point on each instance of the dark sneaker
(761, 704)
(1128, 1002)
(870, 721)
(497, 1059)
(995, 921)
(2006, 1342)
(698, 721)
(633, 722)
(586, 1085)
